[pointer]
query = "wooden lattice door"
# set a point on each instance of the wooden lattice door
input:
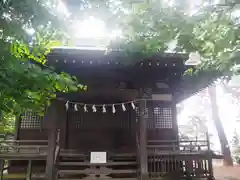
(88, 131)
(161, 120)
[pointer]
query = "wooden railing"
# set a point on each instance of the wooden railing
(187, 146)
(21, 150)
(179, 166)
(23, 146)
(165, 158)
(179, 159)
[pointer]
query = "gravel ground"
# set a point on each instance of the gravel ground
(227, 173)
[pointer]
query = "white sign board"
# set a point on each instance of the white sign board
(98, 157)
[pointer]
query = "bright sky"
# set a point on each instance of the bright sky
(96, 29)
(93, 28)
(89, 28)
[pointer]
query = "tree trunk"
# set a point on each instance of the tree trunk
(219, 127)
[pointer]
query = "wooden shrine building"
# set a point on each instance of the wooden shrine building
(122, 127)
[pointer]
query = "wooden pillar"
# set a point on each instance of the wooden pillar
(62, 114)
(174, 118)
(176, 145)
(17, 127)
(51, 118)
(209, 158)
(29, 170)
(143, 141)
(2, 162)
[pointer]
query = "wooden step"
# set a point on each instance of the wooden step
(75, 154)
(105, 171)
(69, 154)
(124, 155)
(88, 163)
(99, 179)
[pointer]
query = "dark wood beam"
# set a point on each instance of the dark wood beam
(51, 118)
(62, 114)
(2, 162)
(143, 141)
(174, 118)
(29, 170)
(17, 126)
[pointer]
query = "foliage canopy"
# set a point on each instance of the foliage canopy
(25, 81)
(180, 26)
(27, 27)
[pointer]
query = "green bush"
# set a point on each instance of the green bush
(236, 158)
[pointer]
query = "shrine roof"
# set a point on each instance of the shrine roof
(97, 63)
(100, 56)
